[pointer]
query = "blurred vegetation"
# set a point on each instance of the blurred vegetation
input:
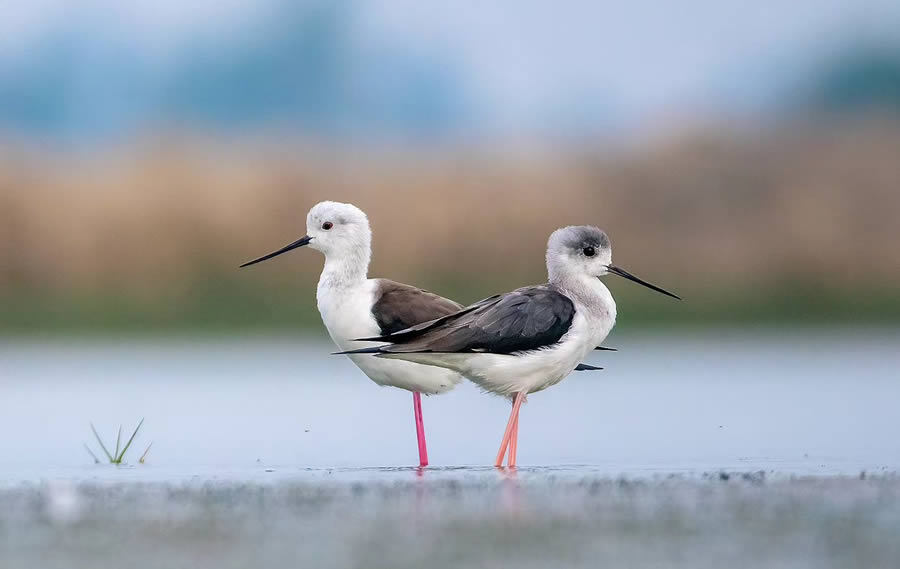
(858, 78)
(794, 223)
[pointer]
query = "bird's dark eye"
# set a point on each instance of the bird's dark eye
(327, 225)
(588, 251)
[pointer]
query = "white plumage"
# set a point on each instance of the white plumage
(346, 310)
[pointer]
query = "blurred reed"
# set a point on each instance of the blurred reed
(802, 217)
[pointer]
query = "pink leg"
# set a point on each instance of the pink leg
(509, 429)
(420, 429)
(514, 437)
(513, 440)
(501, 454)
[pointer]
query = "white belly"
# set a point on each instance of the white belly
(524, 372)
(348, 315)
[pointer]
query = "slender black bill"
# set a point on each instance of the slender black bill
(626, 275)
(289, 247)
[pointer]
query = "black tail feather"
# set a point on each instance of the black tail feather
(587, 367)
(605, 349)
(374, 350)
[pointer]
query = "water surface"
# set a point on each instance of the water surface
(808, 402)
(695, 450)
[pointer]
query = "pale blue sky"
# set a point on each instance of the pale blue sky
(527, 64)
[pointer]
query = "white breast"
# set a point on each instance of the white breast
(347, 314)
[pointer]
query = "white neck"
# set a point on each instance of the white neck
(589, 292)
(346, 271)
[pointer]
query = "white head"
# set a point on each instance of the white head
(339, 230)
(579, 251)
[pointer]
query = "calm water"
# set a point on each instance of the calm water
(793, 402)
(726, 449)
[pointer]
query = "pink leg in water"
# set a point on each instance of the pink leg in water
(420, 429)
(514, 439)
(510, 426)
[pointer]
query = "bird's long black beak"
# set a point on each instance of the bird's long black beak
(626, 275)
(289, 247)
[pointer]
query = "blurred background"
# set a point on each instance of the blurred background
(747, 157)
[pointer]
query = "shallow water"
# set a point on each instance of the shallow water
(698, 450)
(806, 402)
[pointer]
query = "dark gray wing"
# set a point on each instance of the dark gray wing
(525, 319)
(398, 306)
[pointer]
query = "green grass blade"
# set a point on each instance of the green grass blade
(90, 452)
(118, 441)
(144, 456)
(102, 446)
(128, 444)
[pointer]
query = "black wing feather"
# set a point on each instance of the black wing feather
(419, 329)
(399, 306)
(525, 319)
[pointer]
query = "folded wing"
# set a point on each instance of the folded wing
(398, 306)
(526, 319)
